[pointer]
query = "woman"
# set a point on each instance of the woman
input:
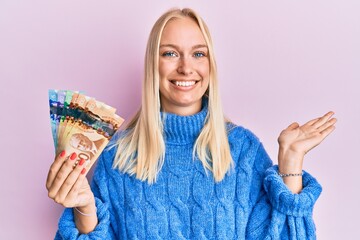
(179, 170)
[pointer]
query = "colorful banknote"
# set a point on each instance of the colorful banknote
(81, 124)
(53, 113)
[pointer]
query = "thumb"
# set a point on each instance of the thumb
(292, 126)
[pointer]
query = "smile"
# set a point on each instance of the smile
(184, 83)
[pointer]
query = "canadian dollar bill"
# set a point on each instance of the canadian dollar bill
(53, 113)
(62, 123)
(87, 136)
(81, 124)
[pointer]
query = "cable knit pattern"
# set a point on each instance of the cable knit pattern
(251, 202)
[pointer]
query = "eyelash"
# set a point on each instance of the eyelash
(202, 54)
(174, 54)
(167, 54)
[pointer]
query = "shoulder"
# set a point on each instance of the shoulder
(240, 134)
(246, 147)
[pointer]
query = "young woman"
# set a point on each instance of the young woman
(180, 170)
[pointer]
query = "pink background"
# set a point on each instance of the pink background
(279, 62)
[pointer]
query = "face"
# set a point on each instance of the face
(183, 66)
(81, 142)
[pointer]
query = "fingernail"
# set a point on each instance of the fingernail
(81, 162)
(62, 153)
(73, 156)
(83, 171)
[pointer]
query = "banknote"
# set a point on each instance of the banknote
(81, 124)
(61, 94)
(101, 117)
(53, 114)
(86, 142)
(59, 108)
(87, 136)
(62, 123)
(76, 106)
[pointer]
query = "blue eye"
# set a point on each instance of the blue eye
(199, 54)
(169, 54)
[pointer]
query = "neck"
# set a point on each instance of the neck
(182, 110)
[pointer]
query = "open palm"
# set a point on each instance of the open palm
(301, 139)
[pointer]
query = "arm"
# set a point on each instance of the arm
(283, 207)
(86, 218)
(295, 141)
(277, 213)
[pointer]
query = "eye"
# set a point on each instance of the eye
(169, 54)
(199, 54)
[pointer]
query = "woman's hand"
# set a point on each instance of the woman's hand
(295, 141)
(67, 185)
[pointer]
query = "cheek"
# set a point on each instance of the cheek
(161, 71)
(204, 68)
(164, 86)
(204, 71)
(205, 74)
(165, 68)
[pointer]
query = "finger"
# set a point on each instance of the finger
(321, 137)
(75, 189)
(61, 175)
(327, 124)
(311, 122)
(69, 182)
(54, 168)
(292, 126)
(327, 131)
(323, 119)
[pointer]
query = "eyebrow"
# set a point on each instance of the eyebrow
(176, 47)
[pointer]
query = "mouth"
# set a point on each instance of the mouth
(182, 83)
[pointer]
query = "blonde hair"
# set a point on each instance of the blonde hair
(141, 148)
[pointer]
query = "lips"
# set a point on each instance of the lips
(184, 83)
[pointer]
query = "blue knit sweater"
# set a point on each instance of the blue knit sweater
(251, 202)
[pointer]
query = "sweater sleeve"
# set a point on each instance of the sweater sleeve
(67, 229)
(278, 213)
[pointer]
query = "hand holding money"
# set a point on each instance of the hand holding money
(69, 187)
(81, 128)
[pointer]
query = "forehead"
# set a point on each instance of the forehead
(182, 31)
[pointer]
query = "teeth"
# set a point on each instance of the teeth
(184, 83)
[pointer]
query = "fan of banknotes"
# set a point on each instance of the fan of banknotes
(81, 124)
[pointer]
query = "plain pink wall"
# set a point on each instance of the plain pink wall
(279, 61)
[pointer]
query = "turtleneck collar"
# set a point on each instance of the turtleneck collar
(184, 129)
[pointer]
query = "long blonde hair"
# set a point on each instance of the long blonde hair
(141, 148)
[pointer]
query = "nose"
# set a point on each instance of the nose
(185, 66)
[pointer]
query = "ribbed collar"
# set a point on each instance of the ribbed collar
(184, 129)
